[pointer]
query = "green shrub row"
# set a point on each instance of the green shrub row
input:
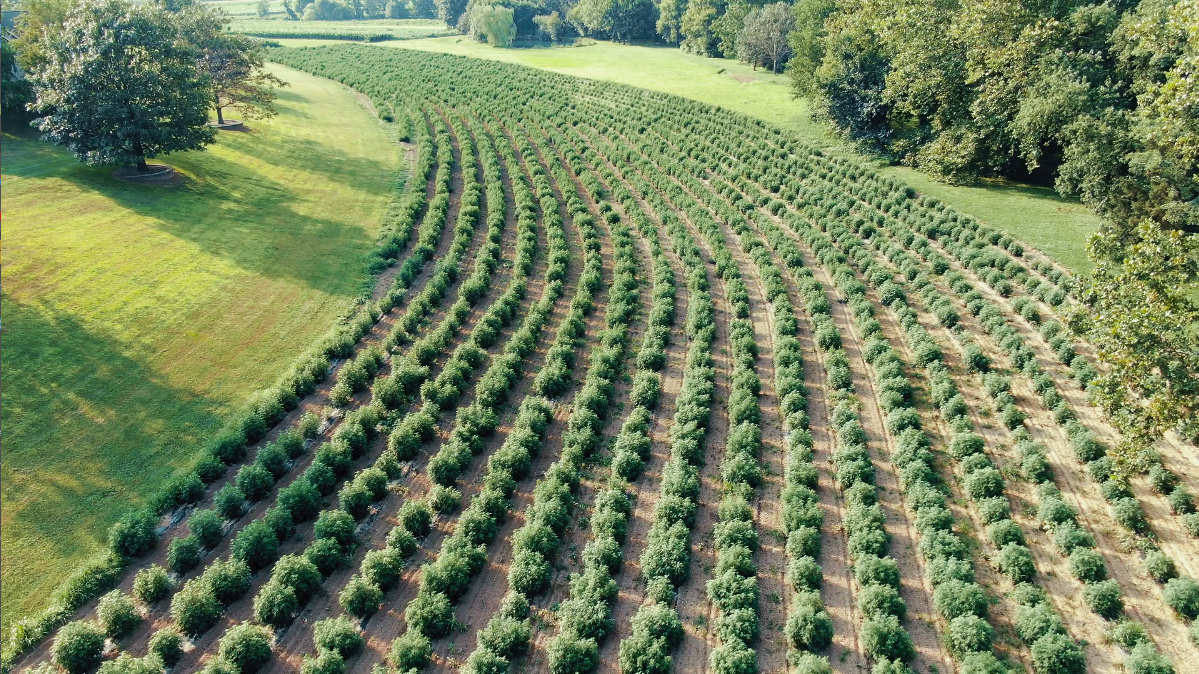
(656, 629)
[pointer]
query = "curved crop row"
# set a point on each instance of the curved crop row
(445, 580)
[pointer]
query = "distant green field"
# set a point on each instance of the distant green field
(1038, 216)
(136, 317)
(396, 29)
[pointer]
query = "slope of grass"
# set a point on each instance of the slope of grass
(1038, 216)
(136, 316)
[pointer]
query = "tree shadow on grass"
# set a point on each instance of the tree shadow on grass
(88, 432)
(231, 211)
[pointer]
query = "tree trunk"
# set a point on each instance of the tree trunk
(219, 118)
(141, 156)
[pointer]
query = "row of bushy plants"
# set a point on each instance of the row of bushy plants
(985, 484)
(443, 581)
(584, 617)
(656, 628)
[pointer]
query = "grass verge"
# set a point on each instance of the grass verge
(136, 317)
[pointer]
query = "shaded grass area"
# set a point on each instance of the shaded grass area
(136, 316)
(1059, 227)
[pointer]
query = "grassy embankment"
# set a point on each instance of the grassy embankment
(1059, 227)
(136, 317)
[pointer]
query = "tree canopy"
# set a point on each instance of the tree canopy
(117, 83)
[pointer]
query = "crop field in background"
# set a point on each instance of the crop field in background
(137, 316)
(1038, 216)
(659, 386)
(395, 29)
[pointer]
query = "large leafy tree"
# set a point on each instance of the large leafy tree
(118, 83)
(1137, 314)
(764, 36)
(234, 63)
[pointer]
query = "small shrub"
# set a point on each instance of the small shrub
(133, 535)
(1191, 522)
(416, 517)
(1104, 598)
(955, 598)
(167, 644)
(78, 646)
(151, 584)
(411, 650)
(205, 525)
(1144, 659)
(968, 634)
(882, 637)
(1182, 595)
(1036, 621)
(308, 425)
(1160, 567)
(879, 600)
(360, 598)
(430, 614)
(1181, 501)
(1128, 634)
(1056, 653)
(1003, 532)
(570, 653)
(256, 545)
(1087, 565)
(1127, 511)
(327, 555)
(276, 604)
(117, 614)
(195, 607)
(808, 628)
(230, 502)
(1016, 562)
(337, 525)
(247, 647)
(882, 570)
(254, 481)
(325, 662)
(183, 554)
(444, 500)
(338, 635)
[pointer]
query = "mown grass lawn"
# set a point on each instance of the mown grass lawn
(1059, 227)
(135, 317)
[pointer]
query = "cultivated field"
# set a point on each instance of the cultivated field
(110, 389)
(655, 386)
(374, 30)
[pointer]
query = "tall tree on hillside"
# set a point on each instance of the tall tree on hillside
(450, 11)
(621, 20)
(1137, 313)
(494, 23)
(764, 37)
(696, 27)
(234, 63)
(119, 84)
(670, 20)
(727, 29)
(807, 49)
(30, 27)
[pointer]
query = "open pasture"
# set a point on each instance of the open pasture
(655, 386)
